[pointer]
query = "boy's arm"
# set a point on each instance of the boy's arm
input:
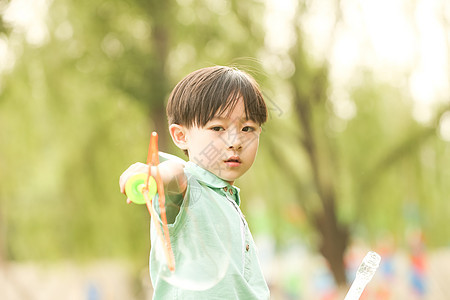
(172, 174)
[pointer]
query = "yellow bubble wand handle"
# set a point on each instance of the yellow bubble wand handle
(142, 188)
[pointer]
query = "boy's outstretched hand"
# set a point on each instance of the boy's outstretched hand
(134, 169)
(172, 174)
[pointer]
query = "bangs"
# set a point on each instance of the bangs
(212, 92)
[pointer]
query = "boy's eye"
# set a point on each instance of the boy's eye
(217, 128)
(248, 129)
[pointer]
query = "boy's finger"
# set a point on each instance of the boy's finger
(122, 181)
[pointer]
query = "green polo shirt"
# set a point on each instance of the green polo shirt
(215, 255)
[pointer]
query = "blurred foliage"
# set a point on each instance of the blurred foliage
(389, 172)
(78, 109)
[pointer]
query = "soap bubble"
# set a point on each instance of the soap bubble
(201, 241)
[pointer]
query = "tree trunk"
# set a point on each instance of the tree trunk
(334, 237)
(160, 41)
(334, 241)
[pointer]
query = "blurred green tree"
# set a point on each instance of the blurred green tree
(353, 160)
(78, 107)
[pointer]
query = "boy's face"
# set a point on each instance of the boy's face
(227, 145)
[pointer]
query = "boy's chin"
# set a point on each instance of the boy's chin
(227, 177)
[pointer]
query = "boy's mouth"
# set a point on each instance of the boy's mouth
(233, 161)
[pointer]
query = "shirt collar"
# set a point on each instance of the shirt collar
(212, 181)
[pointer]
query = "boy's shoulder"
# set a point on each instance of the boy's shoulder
(199, 179)
(195, 172)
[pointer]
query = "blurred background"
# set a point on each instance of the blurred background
(355, 156)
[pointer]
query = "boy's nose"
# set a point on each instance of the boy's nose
(235, 146)
(235, 143)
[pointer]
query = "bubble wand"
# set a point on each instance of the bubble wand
(364, 274)
(142, 188)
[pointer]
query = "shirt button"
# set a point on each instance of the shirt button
(247, 247)
(225, 189)
(231, 192)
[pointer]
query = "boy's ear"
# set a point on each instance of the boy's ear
(178, 134)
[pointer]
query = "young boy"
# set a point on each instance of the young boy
(215, 116)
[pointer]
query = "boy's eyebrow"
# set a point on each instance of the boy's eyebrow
(220, 118)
